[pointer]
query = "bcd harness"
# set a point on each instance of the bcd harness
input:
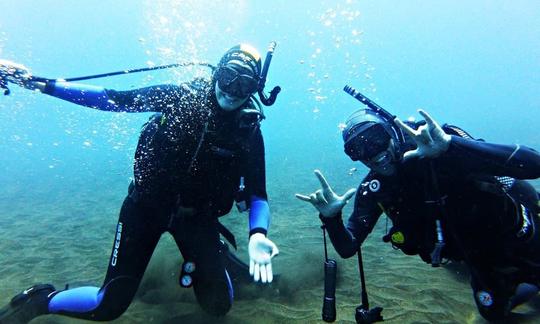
(248, 120)
(433, 238)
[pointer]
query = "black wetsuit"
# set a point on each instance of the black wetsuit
(484, 217)
(188, 165)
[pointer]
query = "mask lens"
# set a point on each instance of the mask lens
(225, 76)
(248, 84)
(236, 84)
(368, 144)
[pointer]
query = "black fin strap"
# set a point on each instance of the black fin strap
(227, 234)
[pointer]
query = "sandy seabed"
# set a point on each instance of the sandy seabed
(51, 233)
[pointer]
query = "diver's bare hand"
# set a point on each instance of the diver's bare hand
(431, 140)
(327, 202)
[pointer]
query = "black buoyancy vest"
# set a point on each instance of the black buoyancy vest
(415, 233)
(201, 166)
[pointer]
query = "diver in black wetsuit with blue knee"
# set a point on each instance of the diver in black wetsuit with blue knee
(201, 151)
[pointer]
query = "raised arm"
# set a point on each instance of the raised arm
(470, 155)
(516, 161)
(149, 99)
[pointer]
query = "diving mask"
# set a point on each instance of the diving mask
(368, 143)
(235, 83)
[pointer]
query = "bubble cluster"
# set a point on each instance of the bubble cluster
(336, 52)
(184, 31)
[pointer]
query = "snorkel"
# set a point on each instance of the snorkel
(250, 117)
(256, 114)
(384, 114)
(267, 100)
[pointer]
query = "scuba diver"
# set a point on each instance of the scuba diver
(201, 150)
(449, 197)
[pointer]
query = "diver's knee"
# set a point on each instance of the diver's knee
(117, 296)
(215, 297)
(492, 315)
(107, 314)
(215, 307)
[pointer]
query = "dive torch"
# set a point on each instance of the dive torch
(330, 271)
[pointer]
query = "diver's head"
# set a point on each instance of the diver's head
(237, 76)
(371, 140)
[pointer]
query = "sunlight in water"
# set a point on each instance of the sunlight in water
(184, 31)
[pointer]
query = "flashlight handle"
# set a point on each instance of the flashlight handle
(329, 301)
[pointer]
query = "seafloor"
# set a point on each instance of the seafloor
(61, 231)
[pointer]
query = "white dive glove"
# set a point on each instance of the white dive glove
(327, 202)
(261, 251)
(431, 141)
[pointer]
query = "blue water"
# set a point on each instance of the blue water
(471, 63)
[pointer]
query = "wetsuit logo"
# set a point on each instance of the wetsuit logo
(374, 185)
(114, 257)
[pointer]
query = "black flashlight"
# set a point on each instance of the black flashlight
(329, 301)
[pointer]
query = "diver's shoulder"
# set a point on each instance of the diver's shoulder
(197, 85)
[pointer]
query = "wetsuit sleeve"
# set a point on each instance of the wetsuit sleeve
(149, 99)
(259, 216)
(347, 240)
(515, 161)
(259, 213)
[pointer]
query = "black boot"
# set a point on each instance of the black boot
(28, 304)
